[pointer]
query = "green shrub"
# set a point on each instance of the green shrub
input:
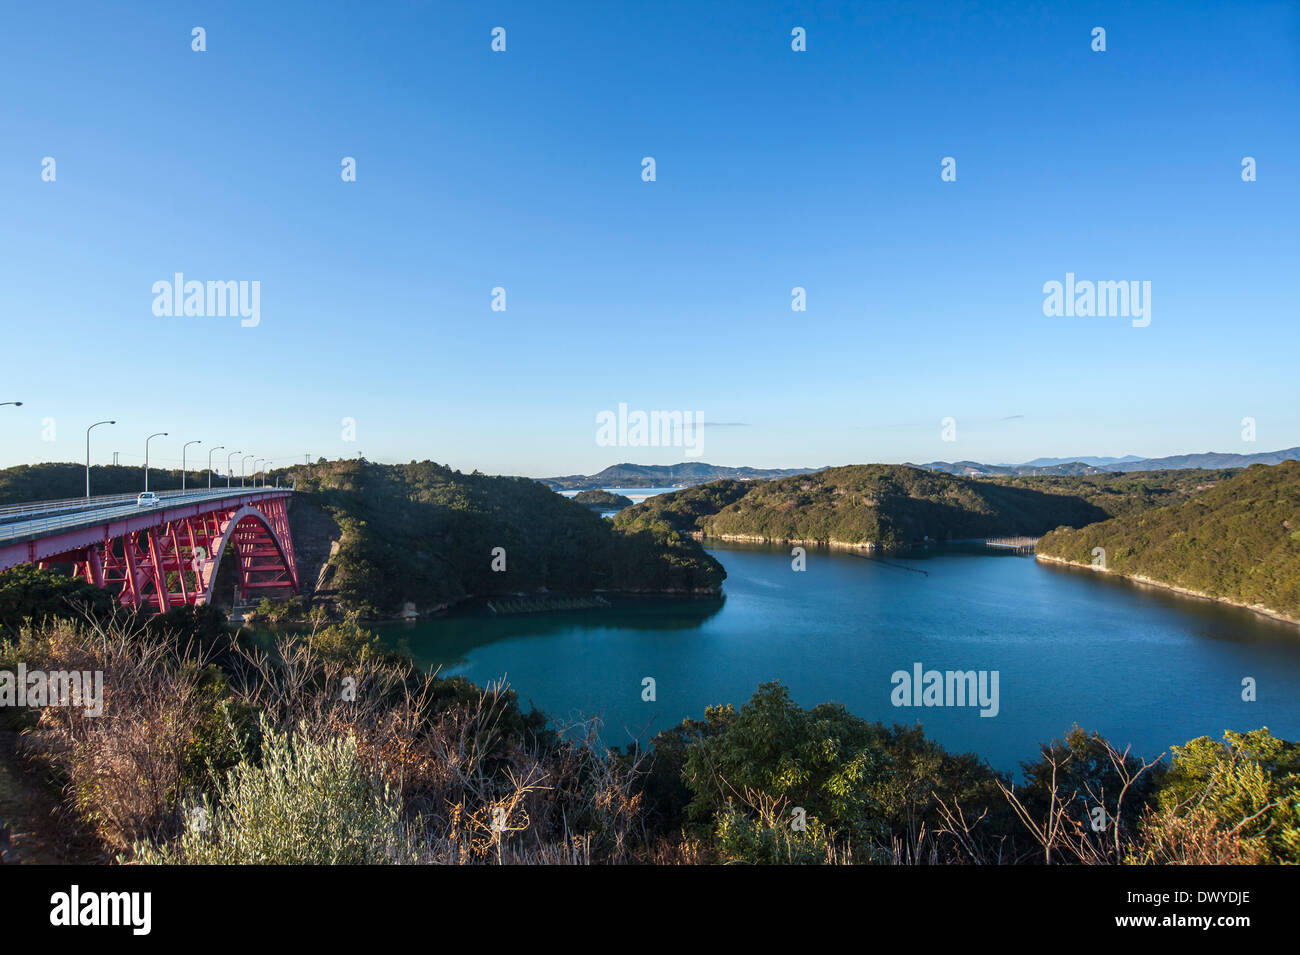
(823, 760)
(307, 803)
(768, 839)
(1249, 784)
(29, 593)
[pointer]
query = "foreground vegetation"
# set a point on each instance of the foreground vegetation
(328, 748)
(897, 506)
(1238, 541)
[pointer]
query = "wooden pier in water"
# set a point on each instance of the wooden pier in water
(1017, 545)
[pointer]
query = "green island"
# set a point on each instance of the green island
(663, 475)
(602, 500)
(892, 507)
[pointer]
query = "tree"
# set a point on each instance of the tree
(27, 592)
(772, 757)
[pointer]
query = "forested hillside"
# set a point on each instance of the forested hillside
(1118, 493)
(893, 506)
(424, 533)
(1239, 541)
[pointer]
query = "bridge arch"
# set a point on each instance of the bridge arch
(167, 556)
(261, 547)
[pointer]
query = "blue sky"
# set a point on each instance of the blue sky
(775, 169)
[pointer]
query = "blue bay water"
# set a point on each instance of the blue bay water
(1142, 666)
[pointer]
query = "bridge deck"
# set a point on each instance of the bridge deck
(14, 513)
(42, 536)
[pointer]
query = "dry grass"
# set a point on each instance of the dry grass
(125, 768)
(474, 790)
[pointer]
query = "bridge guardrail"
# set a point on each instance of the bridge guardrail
(99, 500)
(41, 526)
(81, 503)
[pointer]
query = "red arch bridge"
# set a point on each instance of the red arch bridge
(162, 556)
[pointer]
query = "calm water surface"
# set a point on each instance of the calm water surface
(1142, 666)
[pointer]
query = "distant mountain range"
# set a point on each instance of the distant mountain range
(1093, 465)
(1095, 462)
(686, 474)
(978, 469)
(691, 473)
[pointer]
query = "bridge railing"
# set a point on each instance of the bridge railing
(12, 511)
(41, 526)
(73, 503)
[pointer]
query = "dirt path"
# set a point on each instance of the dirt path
(39, 833)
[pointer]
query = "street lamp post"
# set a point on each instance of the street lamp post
(220, 447)
(183, 447)
(14, 403)
(156, 434)
(88, 430)
(256, 469)
(242, 463)
(230, 467)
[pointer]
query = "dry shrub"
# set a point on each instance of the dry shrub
(126, 768)
(1196, 836)
(477, 789)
